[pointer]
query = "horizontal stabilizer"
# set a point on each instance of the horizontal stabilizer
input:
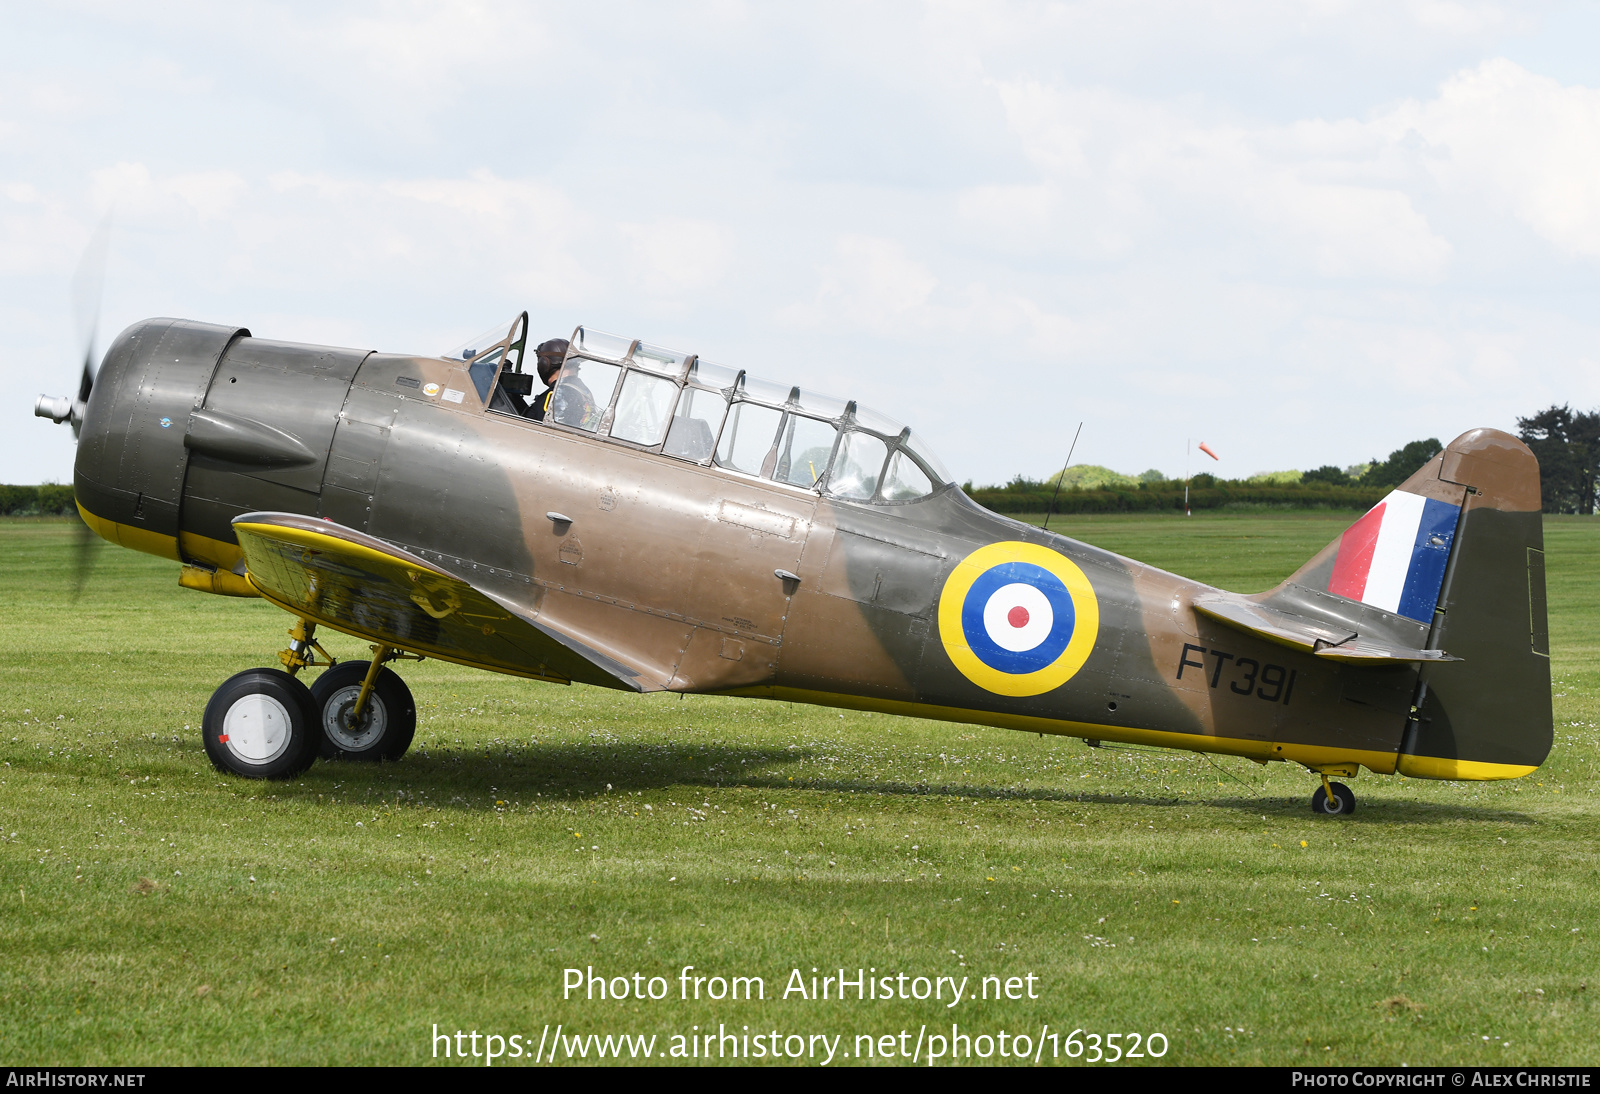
(1357, 652)
(1336, 643)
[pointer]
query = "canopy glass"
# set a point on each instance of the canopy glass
(670, 402)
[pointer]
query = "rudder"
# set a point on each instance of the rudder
(1489, 715)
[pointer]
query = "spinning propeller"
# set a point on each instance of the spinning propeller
(87, 284)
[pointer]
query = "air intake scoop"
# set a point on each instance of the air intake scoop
(235, 439)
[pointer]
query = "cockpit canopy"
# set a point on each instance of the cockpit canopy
(664, 401)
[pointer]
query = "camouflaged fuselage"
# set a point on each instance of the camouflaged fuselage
(689, 577)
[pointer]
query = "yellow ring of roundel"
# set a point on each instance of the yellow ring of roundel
(1086, 626)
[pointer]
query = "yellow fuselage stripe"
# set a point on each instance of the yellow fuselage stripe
(184, 547)
(1312, 756)
(125, 535)
(1437, 767)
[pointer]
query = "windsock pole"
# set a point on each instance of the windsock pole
(1188, 443)
(1186, 449)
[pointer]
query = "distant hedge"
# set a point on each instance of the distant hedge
(1022, 499)
(37, 501)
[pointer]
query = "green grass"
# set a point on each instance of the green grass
(154, 912)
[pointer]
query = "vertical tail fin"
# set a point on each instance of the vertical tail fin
(1394, 557)
(1454, 560)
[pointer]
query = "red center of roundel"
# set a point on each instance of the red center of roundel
(1018, 616)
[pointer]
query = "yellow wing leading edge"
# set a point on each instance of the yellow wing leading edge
(361, 585)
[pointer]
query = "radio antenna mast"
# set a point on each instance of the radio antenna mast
(1061, 476)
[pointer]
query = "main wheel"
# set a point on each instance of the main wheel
(1343, 804)
(387, 723)
(261, 723)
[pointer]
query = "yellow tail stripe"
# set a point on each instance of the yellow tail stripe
(1437, 767)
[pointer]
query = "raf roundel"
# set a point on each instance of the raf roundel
(1017, 618)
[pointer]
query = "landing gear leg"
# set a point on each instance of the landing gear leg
(365, 711)
(304, 648)
(380, 654)
(1334, 799)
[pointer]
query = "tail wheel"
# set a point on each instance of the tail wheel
(387, 722)
(261, 724)
(1343, 804)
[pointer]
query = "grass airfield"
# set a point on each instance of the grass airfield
(155, 912)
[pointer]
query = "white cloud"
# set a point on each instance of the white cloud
(1521, 141)
(1451, 18)
(874, 283)
(133, 191)
(211, 194)
(1352, 231)
(1317, 196)
(874, 287)
(38, 234)
(673, 257)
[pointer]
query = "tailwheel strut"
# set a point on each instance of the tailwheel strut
(1333, 799)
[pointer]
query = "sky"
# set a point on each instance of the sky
(1305, 233)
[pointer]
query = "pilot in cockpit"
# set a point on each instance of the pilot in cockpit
(550, 355)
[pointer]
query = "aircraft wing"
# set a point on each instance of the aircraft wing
(1336, 643)
(364, 586)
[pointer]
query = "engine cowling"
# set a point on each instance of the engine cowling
(190, 424)
(131, 458)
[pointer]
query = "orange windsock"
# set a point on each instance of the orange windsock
(1204, 448)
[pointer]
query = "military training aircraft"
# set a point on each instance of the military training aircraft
(672, 524)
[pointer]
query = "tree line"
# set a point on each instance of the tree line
(1324, 488)
(49, 500)
(1567, 443)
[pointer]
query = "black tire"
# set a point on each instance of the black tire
(261, 724)
(388, 722)
(1343, 805)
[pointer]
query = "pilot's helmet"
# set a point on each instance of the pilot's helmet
(550, 355)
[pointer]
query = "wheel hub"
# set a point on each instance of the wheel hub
(256, 729)
(354, 735)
